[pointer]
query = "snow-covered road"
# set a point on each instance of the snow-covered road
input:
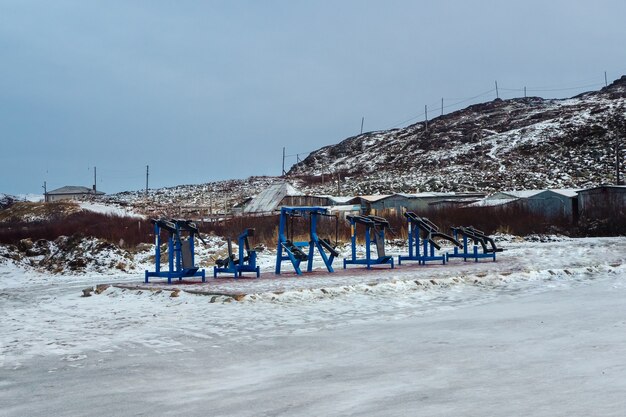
(540, 332)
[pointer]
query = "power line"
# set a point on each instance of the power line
(423, 114)
(567, 88)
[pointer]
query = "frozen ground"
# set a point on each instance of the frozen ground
(541, 332)
(109, 209)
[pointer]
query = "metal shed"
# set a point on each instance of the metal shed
(554, 203)
(602, 200)
(548, 202)
(420, 202)
(270, 199)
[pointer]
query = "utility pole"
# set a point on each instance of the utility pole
(147, 175)
(426, 115)
(338, 184)
(524, 91)
(45, 191)
(606, 82)
(95, 182)
(497, 94)
(442, 106)
(283, 174)
(362, 121)
(617, 178)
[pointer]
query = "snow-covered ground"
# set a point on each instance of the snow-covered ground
(541, 332)
(109, 209)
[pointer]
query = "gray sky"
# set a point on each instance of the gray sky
(208, 90)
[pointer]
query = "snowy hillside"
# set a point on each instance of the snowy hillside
(520, 143)
(216, 197)
(523, 143)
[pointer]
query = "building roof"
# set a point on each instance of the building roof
(374, 198)
(269, 199)
(521, 193)
(567, 192)
(493, 202)
(73, 189)
(465, 201)
(619, 187)
(339, 200)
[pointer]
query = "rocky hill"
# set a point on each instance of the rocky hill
(521, 143)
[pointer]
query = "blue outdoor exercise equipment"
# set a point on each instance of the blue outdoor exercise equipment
(295, 252)
(374, 227)
(422, 234)
(180, 250)
(245, 263)
(477, 237)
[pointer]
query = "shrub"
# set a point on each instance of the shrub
(115, 229)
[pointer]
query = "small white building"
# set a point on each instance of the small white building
(70, 192)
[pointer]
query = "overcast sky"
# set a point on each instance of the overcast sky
(206, 90)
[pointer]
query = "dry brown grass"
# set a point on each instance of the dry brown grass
(24, 211)
(62, 219)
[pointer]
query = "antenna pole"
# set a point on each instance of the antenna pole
(283, 174)
(147, 175)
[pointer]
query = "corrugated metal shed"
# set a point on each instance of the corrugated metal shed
(553, 203)
(604, 200)
(547, 203)
(269, 199)
(420, 202)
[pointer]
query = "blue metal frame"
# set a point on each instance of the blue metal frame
(417, 225)
(293, 251)
(174, 249)
(370, 223)
(243, 264)
(467, 237)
